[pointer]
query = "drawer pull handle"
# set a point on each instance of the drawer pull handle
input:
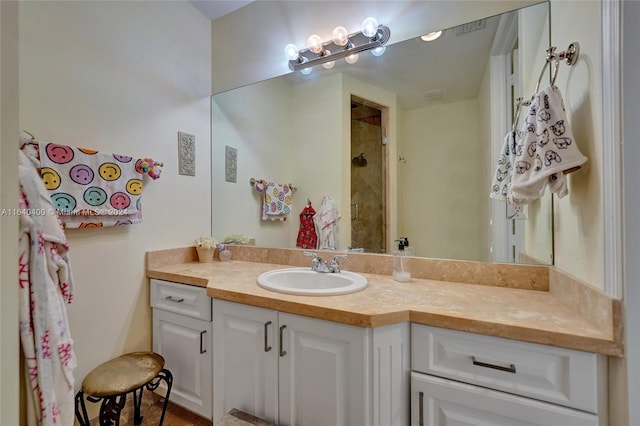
(173, 299)
(267, 348)
(202, 350)
(282, 351)
(510, 369)
(421, 409)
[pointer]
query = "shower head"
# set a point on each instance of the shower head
(359, 160)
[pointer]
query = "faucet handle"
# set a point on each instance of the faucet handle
(309, 253)
(335, 266)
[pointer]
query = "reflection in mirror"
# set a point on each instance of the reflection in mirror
(404, 144)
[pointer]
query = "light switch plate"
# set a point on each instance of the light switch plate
(517, 212)
(186, 154)
(230, 164)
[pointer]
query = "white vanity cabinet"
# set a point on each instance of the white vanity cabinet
(462, 378)
(182, 331)
(294, 370)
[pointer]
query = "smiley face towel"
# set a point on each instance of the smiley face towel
(91, 189)
(546, 149)
(276, 199)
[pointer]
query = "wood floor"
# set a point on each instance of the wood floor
(152, 409)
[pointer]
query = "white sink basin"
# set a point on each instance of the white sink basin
(304, 281)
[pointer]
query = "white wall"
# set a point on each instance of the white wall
(578, 217)
(9, 346)
(449, 224)
(484, 131)
(249, 121)
(533, 36)
(121, 77)
(316, 149)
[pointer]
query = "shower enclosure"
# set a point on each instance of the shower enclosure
(368, 178)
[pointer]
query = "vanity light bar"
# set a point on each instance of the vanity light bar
(358, 42)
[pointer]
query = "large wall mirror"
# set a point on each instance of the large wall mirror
(404, 144)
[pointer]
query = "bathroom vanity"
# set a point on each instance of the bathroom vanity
(182, 330)
(422, 352)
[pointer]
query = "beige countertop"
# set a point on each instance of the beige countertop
(521, 314)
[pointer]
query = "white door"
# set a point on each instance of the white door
(185, 343)
(441, 402)
(245, 360)
(323, 373)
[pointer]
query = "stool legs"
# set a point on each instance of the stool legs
(81, 410)
(109, 409)
(137, 403)
(165, 375)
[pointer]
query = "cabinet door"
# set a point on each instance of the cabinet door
(441, 402)
(185, 343)
(245, 360)
(323, 373)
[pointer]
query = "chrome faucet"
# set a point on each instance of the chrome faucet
(319, 265)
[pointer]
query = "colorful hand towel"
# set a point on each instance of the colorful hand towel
(91, 189)
(276, 200)
(546, 149)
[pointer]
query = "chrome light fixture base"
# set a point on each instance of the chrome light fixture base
(358, 42)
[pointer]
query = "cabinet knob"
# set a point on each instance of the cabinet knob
(173, 299)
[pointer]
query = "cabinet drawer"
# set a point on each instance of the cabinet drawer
(442, 402)
(557, 375)
(181, 299)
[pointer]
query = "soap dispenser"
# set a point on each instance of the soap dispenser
(400, 271)
(408, 250)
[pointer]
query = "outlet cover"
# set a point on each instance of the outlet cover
(230, 164)
(186, 154)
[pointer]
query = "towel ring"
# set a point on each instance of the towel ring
(570, 56)
(519, 104)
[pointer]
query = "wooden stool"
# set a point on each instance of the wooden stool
(112, 380)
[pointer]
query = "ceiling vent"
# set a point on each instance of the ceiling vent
(435, 94)
(471, 27)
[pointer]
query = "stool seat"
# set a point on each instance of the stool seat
(123, 374)
(111, 381)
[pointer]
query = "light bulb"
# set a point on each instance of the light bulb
(378, 51)
(314, 43)
(291, 50)
(340, 36)
(370, 27)
(330, 64)
(352, 59)
(307, 70)
(431, 36)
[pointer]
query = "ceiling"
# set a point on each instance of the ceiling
(213, 9)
